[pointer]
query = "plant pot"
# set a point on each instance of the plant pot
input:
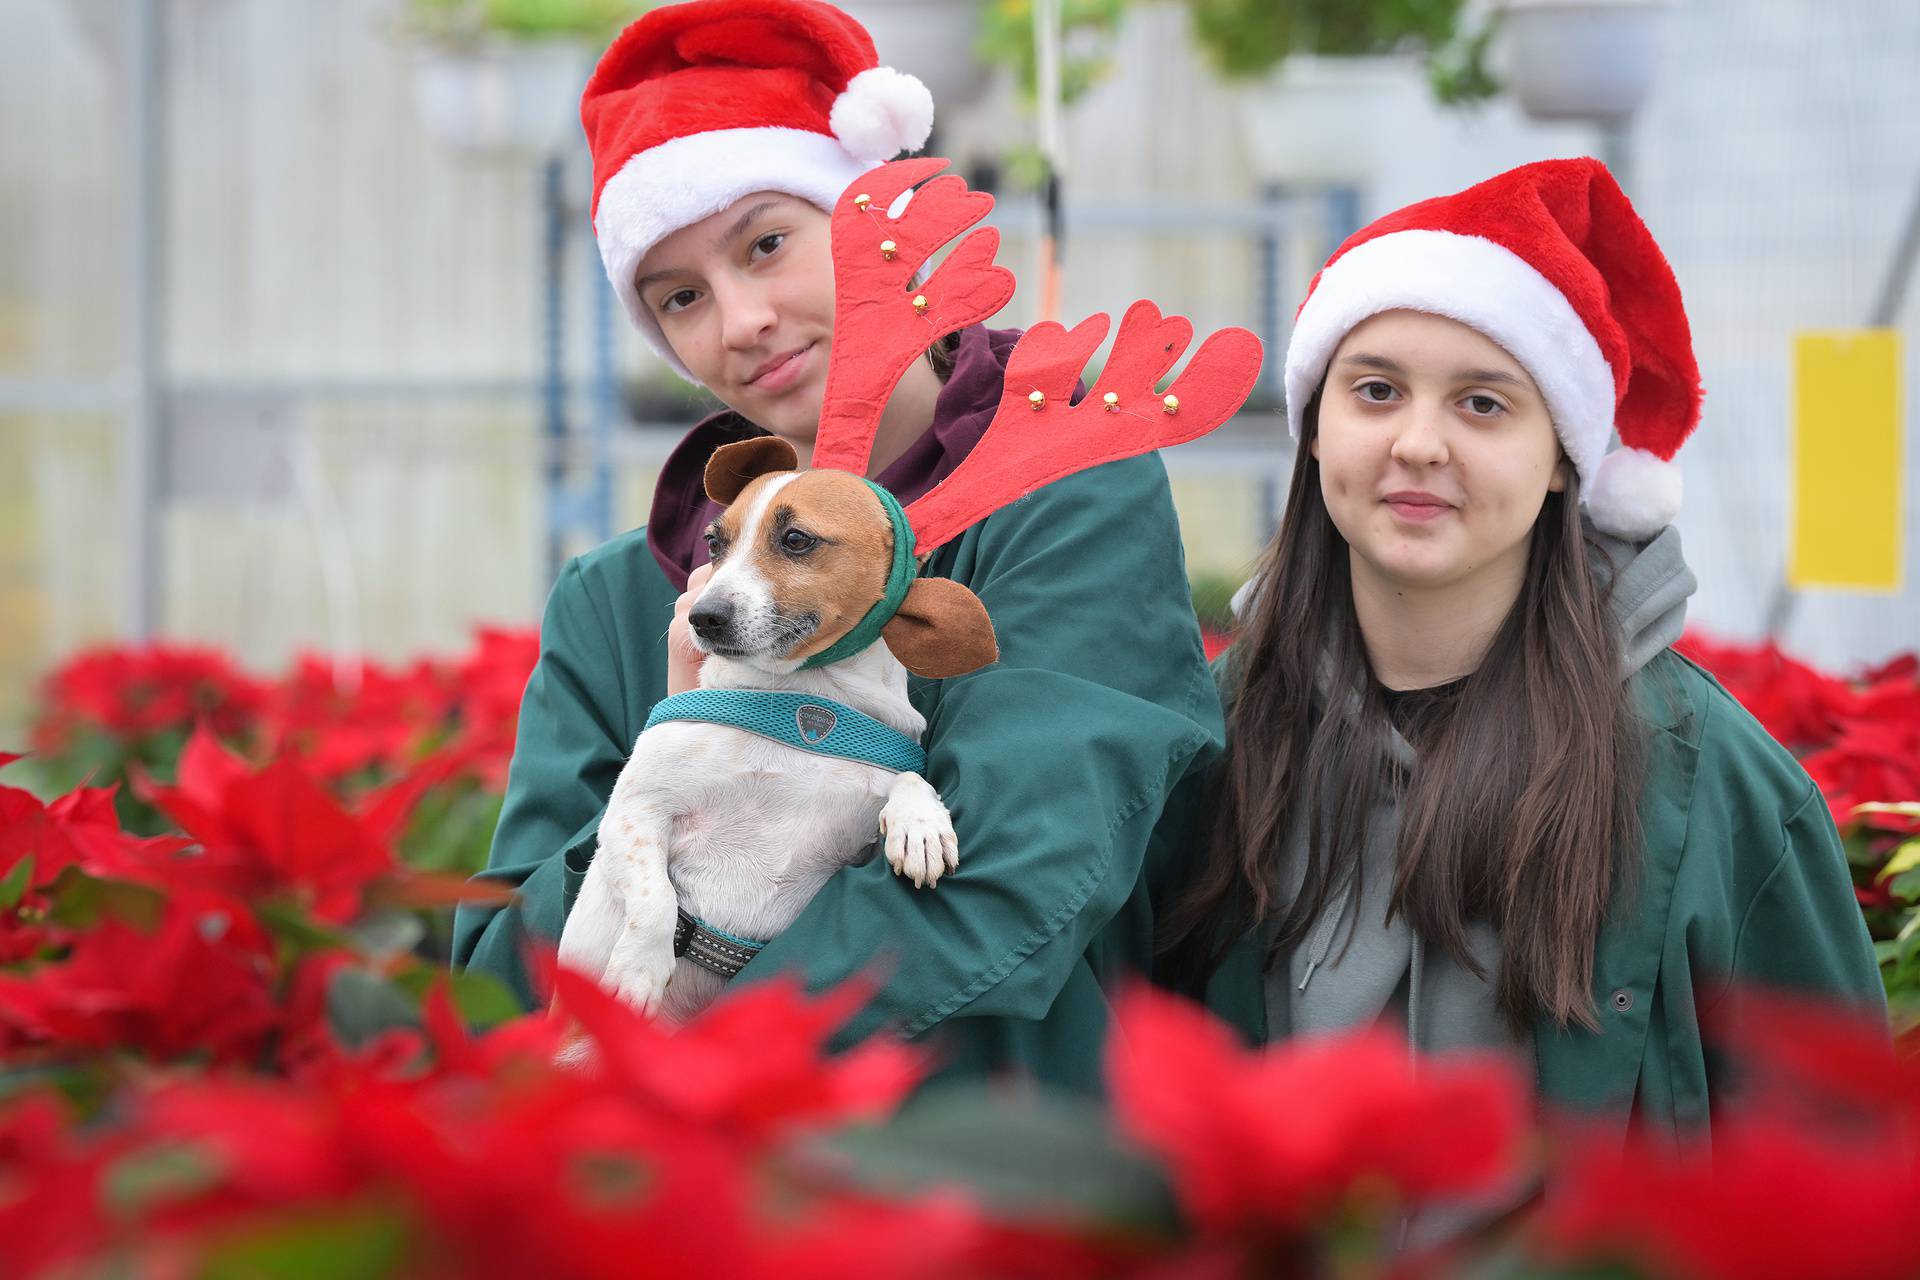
(931, 39)
(504, 98)
(1586, 60)
(1313, 120)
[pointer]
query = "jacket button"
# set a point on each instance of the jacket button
(1622, 1000)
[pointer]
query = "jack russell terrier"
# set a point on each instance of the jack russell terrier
(737, 829)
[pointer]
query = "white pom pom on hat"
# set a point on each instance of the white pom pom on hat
(1633, 494)
(698, 104)
(882, 113)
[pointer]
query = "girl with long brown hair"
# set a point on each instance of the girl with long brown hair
(1469, 790)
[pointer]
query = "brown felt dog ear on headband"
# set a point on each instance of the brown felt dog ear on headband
(734, 466)
(941, 630)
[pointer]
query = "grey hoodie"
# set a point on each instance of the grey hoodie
(1385, 972)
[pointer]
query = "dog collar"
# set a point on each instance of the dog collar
(900, 576)
(819, 725)
(712, 948)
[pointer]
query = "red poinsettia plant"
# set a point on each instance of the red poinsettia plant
(228, 1046)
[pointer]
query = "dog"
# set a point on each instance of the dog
(737, 829)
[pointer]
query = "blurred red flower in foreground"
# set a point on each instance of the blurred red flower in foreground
(1279, 1139)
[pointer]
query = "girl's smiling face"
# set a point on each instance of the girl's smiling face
(745, 299)
(1436, 452)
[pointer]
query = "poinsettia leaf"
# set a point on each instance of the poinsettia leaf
(292, 925)
(1904, 859)
(1905, 808)
(13, 886)
(79, 901)
(482, 1000)
(407, 888)
(357, 1242)
(157, 1174)
(1049, 1159)
(1906, 886)
(361, 1005)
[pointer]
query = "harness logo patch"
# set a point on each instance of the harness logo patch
(815, 723)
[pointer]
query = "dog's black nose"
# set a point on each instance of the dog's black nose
(708, 617)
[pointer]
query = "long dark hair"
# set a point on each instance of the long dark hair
(1521, 808)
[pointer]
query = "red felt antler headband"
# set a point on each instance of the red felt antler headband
(883, 322)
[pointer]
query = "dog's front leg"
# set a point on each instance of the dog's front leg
(918, 831)
(633, 844)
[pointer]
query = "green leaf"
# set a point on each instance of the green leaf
(1905, 808)
(483, 1001)
(1905, 858)
(1053, 1159)
(14, 886)
(79, 901)
(1906, 886)
(291, 924)
(357, 1242)
(361, 1005)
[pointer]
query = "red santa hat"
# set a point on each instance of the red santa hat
(1550, 261)
(698, 104)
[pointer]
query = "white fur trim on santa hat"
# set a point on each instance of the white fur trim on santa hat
(676, 184)
(1633, 494)
(881, 113)
(1479, 283)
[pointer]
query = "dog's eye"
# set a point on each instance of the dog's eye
(797, 542)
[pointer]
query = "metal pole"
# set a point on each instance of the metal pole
(554, 434)
(604, 398)
(144, 446)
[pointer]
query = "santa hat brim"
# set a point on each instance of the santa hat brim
(1481, 284)
(681, 181)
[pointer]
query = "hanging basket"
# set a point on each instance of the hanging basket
(1589, 60)
(505, 98)
(932, 40)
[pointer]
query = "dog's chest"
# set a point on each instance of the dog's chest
(748, 806)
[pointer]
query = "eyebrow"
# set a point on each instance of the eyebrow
(1386, 365)
(739, 224)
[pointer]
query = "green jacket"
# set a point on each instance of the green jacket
(1056, 763)
(1743, 883)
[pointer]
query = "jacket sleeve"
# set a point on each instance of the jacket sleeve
(1803, 931)
(1055, 764)
(569, 749)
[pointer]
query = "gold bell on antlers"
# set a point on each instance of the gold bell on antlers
(887, 249)
(862, 200)
(919, 302)
(1038, 399)
(1112, 401)
(1172, 403)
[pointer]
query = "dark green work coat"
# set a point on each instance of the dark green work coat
(1742, 884)
(1056, 763)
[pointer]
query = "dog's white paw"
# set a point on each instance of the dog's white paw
(641, 984)
(917, 837)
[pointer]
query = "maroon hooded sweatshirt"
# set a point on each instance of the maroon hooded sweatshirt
(682, 511)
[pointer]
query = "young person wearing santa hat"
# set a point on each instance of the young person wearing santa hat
(722, 130)
(1469, 790)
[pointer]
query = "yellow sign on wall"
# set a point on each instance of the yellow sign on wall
(1847, 465)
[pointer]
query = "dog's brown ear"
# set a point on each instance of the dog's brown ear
(733, 466)
(941, 630)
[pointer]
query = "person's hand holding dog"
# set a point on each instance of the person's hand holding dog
(683, 660)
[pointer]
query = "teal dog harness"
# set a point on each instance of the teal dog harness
(819, 725)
